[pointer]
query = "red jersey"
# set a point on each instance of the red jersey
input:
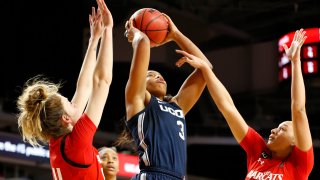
(262, 166)
(73, 156)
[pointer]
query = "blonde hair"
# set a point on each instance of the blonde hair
(40, 111)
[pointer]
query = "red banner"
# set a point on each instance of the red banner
(128, 165)
(313, 36)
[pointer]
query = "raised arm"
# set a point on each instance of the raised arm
(102, 75)
(302, 135)
(84, 83)
(135, 93)
(219, 94)
(194, 85)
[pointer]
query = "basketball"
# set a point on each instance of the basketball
(151, 22)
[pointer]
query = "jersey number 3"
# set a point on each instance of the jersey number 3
(181, 133)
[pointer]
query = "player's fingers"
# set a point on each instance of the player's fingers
(93, 12)
(285, 47)
(181, 61)
(181, 52)
(184, 53)
(127, 25)
(130, 23)
(126, 33)
(90, 19)
(304, 38)
(166, 16)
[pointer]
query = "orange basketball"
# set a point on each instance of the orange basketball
(151, 22)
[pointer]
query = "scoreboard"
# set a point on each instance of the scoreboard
(309, 54)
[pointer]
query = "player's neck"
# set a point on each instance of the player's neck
(111, 177)
(281, 155)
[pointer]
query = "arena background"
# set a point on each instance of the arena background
(240, 37)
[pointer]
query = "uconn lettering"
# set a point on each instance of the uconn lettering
(178, 113)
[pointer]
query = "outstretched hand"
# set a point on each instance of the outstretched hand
(190, 59)
(293, 52)
(172, 30)
(106, 14)
(95, 21)
(132, 33)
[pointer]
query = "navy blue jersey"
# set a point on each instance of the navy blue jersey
(159, 132)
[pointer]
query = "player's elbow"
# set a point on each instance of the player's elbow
(103, 78)
(298, 108)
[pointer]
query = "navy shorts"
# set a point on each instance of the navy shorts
(157, 174)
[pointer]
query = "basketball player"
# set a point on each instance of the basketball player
(288, 153)
(110, 162)
(156, 121)
(46, 116)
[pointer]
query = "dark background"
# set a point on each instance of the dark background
(47, 37)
